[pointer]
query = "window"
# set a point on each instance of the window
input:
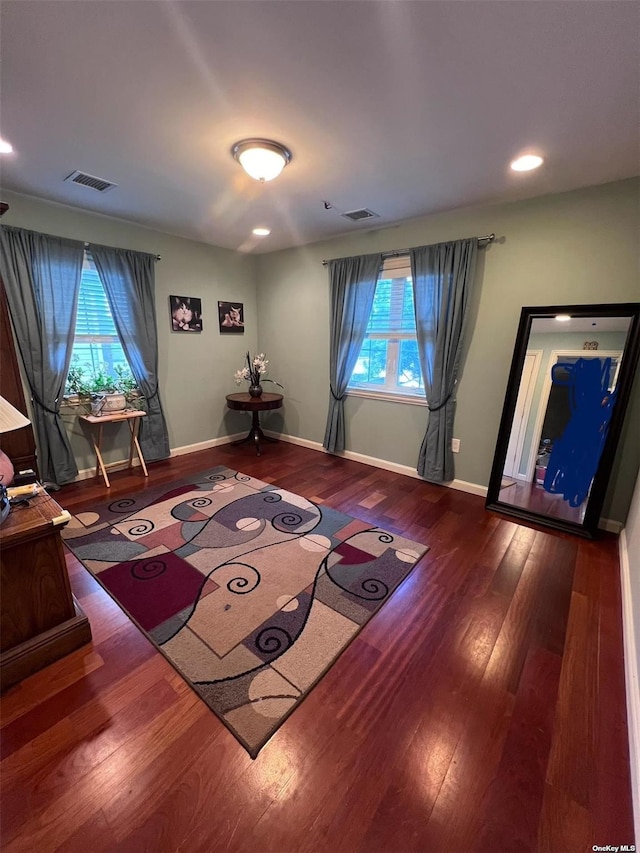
(96, 348)
(388, 364)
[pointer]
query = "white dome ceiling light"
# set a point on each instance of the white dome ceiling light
(262, 159)
(526, 163)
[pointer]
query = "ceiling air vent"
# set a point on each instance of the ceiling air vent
(358, 215)
(91, 181)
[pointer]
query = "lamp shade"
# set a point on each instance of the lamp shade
(10, 417)
(261, 159)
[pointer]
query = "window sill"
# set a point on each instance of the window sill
(389, 398)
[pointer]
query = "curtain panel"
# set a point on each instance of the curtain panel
(42, 280)
(443, 277)
(353, 285)
(129, 281)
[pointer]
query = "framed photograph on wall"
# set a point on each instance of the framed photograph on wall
(185, 313)
(231, 318)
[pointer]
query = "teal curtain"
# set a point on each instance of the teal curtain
(41, 274)
(443, 277)
(353, 285)
(129, 282)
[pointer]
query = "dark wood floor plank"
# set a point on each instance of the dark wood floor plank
(609, 784)
(571, 757)
(513, 801)
(80, 798)
(482, 707)
(564, 824)
(96, 737)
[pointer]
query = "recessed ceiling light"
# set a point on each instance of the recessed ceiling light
(262, 232)
(563, 318)
(5, 147)
(526, 163)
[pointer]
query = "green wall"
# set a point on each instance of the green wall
(577, 247)
(572, 248)
(195, 370)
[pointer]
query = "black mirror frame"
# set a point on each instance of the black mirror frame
(589, 526)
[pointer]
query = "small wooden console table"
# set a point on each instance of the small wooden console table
(96, 422)
(41, 620)
(246, 403)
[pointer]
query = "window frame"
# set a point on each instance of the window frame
(390, 268)
(91, 339)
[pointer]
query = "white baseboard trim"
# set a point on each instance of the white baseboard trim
(632, 680)
(607, 524)
(86, 473)
(396, 467)
(460, 485)
(205, 445)
(610, 525)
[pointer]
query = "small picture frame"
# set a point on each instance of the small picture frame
(231, 318)
(185, 313)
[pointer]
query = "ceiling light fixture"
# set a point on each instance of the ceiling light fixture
(262, 232)
(5, 147)
(526, 163)
(262, 159)
(563, 318)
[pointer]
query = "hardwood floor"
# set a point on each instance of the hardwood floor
(532, 496)
(481, 709)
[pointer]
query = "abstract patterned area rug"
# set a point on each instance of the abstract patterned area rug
(250, 591)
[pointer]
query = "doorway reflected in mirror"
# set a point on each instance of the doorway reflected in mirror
(563, 393)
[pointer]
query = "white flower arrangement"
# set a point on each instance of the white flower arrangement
(254, 371)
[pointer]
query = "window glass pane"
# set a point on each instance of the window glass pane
(409, 373)
(371, 364)
(96, 348)
(388, 362)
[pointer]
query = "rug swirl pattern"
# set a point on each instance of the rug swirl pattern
(249, 590)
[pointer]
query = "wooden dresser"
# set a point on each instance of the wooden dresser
(40, 620)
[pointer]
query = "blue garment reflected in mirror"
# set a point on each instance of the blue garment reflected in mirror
(569, 385)
(575, 454)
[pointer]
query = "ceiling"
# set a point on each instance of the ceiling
(549, 325)
(406, 108)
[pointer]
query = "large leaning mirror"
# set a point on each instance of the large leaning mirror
(569, 385)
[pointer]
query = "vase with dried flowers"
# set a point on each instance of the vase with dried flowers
(254, 374)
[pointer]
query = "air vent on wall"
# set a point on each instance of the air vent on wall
(90, 181)
(358, 215)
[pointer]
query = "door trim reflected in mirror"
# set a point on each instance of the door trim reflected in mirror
(592, 395)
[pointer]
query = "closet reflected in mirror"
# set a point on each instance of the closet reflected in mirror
(568, 389)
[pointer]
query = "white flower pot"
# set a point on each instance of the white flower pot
(107, 404)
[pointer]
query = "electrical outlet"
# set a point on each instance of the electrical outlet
(455, 445)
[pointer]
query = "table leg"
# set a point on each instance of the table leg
(131, 444)
(135, 428)
(99, 461)
(255, 434)
(99, 429)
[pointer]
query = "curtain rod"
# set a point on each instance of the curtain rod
(394, 253)
(157, 257)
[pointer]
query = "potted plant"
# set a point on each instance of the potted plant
(253, 373)
(100, 391)
(77, 389)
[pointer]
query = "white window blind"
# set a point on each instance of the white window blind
(96, 346)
